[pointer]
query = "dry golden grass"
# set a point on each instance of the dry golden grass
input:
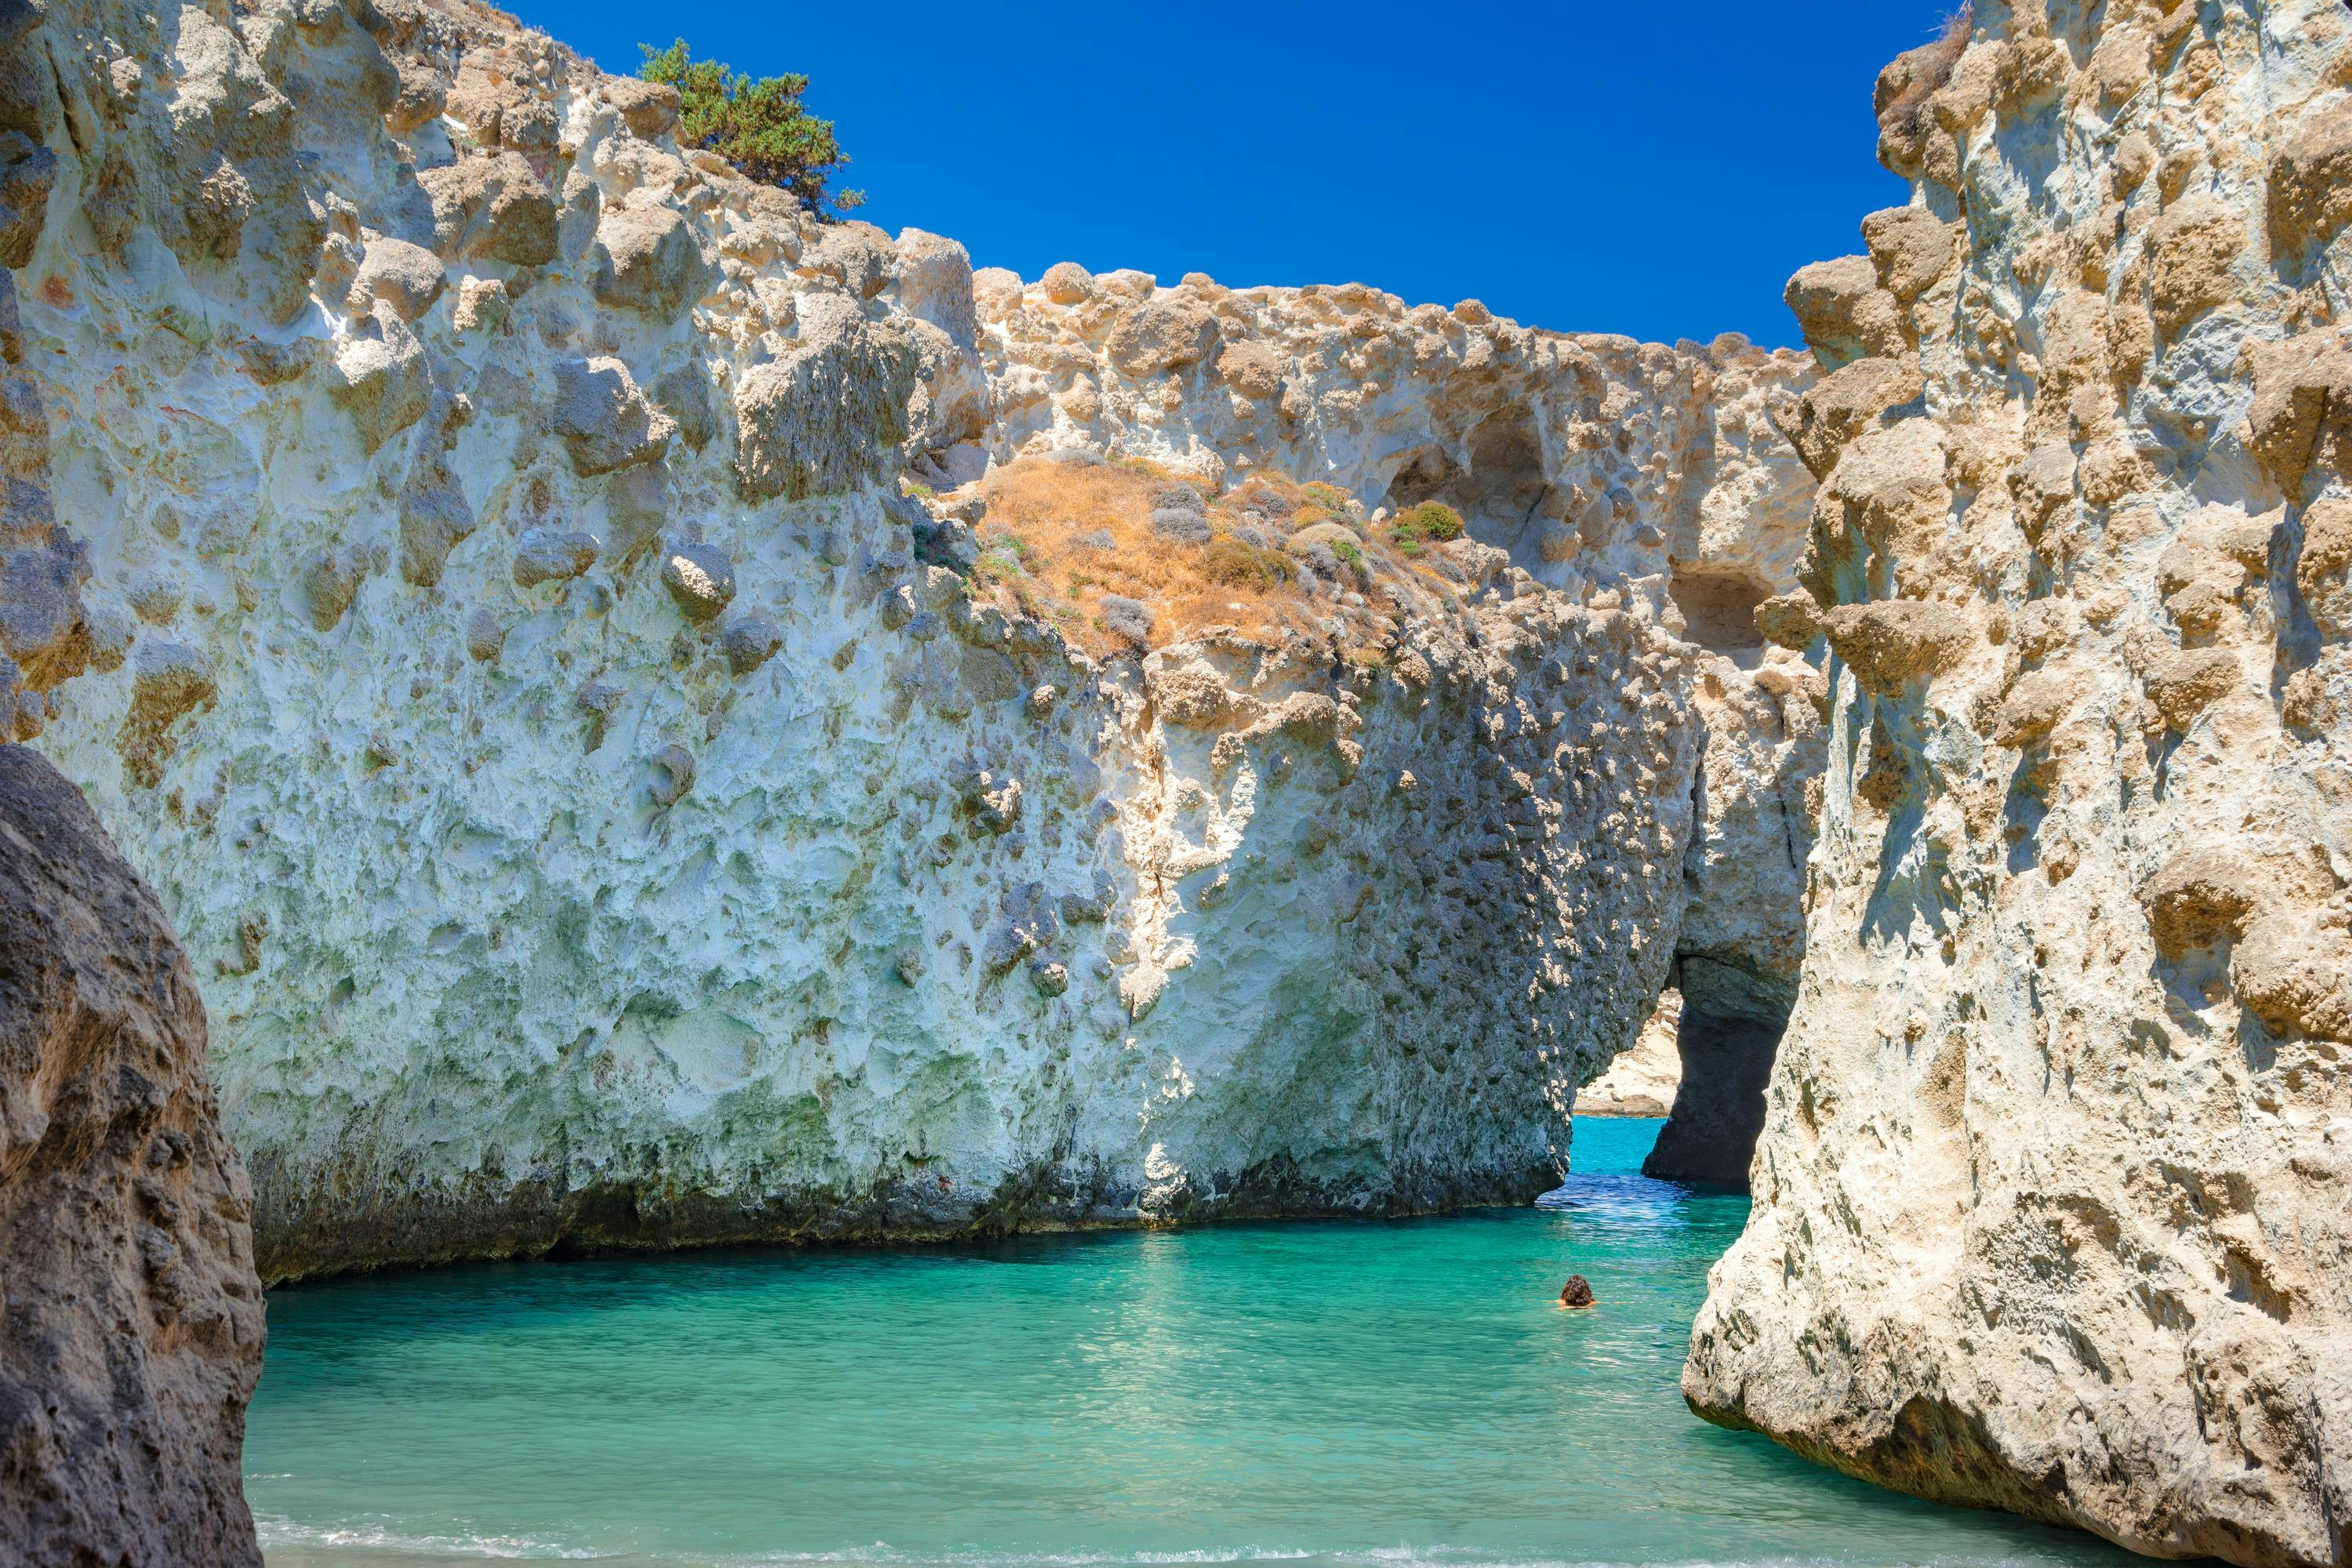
(1059, 536)
(1932, 66)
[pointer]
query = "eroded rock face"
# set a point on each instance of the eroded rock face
(133, 1330)
(1605, 470)
(2050, 1207)
(1595, 462)
(604, 809)
(46, 635)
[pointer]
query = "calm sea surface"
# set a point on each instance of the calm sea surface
(1387, 1395)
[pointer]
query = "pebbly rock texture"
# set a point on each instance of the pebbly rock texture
(605, 811)
(1607, 471)
(2051, 1204)
(133, 1331)
(46, 638)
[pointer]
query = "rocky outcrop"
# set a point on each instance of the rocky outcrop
(606, 811)
(133, 1329)
(1643, 1079)
(46, 636)
(1742, 939)
(2051, 1204)
(1607, 471)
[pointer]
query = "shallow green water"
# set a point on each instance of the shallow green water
(1382, 1394)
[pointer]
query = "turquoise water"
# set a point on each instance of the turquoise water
(1384, 1394)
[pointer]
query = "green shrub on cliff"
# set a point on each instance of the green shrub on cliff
(760, 126)
(1431, 522)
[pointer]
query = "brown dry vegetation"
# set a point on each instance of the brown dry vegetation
(1059, 536)
(1925, 70)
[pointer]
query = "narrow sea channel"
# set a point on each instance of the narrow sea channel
(1375, 1393)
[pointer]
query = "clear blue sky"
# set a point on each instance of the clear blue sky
(1601, 165)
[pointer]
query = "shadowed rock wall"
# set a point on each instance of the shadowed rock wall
(132, 1333)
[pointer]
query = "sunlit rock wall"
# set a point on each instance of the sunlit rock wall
(602, 811)
(2051, 1204)
(1608, 471)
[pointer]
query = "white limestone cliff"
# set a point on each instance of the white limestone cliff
(1607, 469)
(603, 812)
(2052, 1199)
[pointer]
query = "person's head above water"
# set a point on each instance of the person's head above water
(1577, 1292)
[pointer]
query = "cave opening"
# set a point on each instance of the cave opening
(1709, 1138)
(1501, 491)
(1719, 607)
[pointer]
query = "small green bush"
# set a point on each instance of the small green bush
(1021, 552)
(760, 126)
(1431, 522)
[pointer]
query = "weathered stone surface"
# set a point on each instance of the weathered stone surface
(494, 208)
(1844, 405)
(382, 380)
(701, 578)
(826, 417)
(552, 555)
(1789, 620)
(133, 1330)
(1844, 312)
(1252, 369)
(26, 174)
(1911, 249)
(1161, 335)
(1895, 641)
(2192, 247)
(2183, 685)
(2293, 971)
(2323, 566)
(605, 422)
(934, 275)
(2301, 409)
(1067, 283)
(2050, 1198)
(685, 396)
(750, 641)
(43, 632)
(407, 278)
(647, 260)
(670, 881)
(648, 109)
(855, 255)
(2311, 182)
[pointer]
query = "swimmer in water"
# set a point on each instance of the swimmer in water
(1577, 1292)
